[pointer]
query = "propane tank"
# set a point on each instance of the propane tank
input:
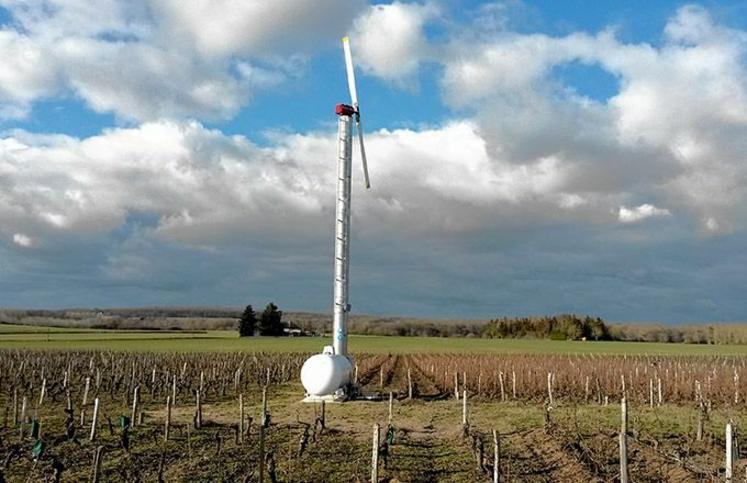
(323, 374)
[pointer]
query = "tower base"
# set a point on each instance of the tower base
(327, 398)
(347, 392)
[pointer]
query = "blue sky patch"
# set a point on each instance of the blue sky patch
(587, 80)
(62, 116)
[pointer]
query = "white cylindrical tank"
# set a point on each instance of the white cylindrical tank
(323, 374)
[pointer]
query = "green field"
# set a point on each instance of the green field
(27, 337)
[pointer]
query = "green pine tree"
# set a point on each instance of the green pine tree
(248, 322)
(270, 322)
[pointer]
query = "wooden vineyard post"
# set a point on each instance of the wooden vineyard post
(409, 384)
(661, 399)
(95, 418)
(464, 408)
(241, 418)
(42, 391)
(381, 377)
(36, 427)
(135, 401)
(262, 423)
(323, 416)
(651, 393)
(173, 391)
(15, 407)
(375, 454)
(513, 383)
(586, 390)
(500, 379)
(624, 441)
(198, 411)
(729, 473)
(456, 385)
(96, 472)
(391, 398)
(23, 414)
(496, 457)
(702, 416)
(549, 389)
(168, 419)
(85, 391)
(736, 386)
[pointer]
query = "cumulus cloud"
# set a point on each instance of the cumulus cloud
(674, 130)
(390, 41)
(157, 82)
(51, 20)
(198, 183)
(256, 27)
(153, 59)
(690, 98)
(22, 240)
(203, 186)
(476, 70)
(712, 224)
(639, 213)
(26, 75)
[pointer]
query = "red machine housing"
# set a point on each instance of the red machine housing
(344, 110)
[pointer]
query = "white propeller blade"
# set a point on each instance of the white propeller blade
(351, 72)
(354, 99)
(363, 152)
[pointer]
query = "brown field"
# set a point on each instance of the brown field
(574, 438)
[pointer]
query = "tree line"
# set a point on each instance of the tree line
(563, 326)
(556, 327)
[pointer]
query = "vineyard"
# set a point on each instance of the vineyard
(115, 416)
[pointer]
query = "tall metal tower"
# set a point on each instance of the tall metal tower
(327, 375)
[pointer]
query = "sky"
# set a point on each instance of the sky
(526, 158)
